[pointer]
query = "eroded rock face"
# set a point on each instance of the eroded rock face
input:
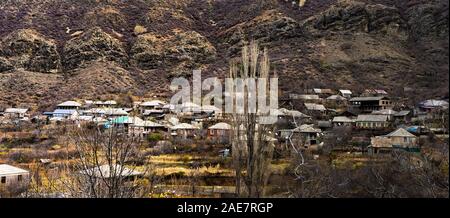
(356, 16)
(93, 45)
(161, 18)
(430, 19)
(105, 16)
(179, 48)
(5, 65)
(269, 26)
(28, 49)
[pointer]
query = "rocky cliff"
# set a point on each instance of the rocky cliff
(56, 49)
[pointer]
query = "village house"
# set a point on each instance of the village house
(100, 104)
(404, 116)
(184, 131)
(323, 93)
(111, 113)
(369, 104)
(124, 121)
(372, 121)
(345, 93)
(13, 179)
(285, 116)
(211, 111)
(315, 109)
(84, 118)
(144, 128)
(336, 98)
(154, 113)
(336, 101)
(69, 105)
(305, 135)
(16, 113)
(430, 105)
(60, 114)
(219, 131)
(168, 108)
(324, 125)
(348, 113)
(398, 139)
(151, 105)
(388, 112)
(305, 97)
(374, 92)
(343, 121)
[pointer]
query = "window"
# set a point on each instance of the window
(19, 178)
(405, 139)
(3, 180)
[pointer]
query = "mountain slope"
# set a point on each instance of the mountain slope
(57, 49)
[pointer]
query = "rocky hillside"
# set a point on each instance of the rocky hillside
(57, 49)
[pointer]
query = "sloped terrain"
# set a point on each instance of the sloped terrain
(57, 49)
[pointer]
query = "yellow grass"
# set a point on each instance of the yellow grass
(138, 29)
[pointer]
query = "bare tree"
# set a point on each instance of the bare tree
(106, 164)
(251, 144)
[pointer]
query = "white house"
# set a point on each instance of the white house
(18, 113)
(184, 130)
(144, 128)
(69, 105)
(13, 177)
(65, 114)
(151, 105)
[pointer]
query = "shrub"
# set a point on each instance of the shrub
(155, 137)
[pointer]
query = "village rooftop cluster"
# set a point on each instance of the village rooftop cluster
(379, 122)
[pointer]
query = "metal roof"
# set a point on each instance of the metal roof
(293, 113)
(220, 126)
(63, 111)
(336, 97)
(184, 126)
(16, 110)
(152, 103)
(107, 171)
(148, 123)
(305, 128)
(323, 91)
(108, 111)
(371, 118)
(304, 97)
(385, 112)
(345, 91)
(6, 169)
(369, 98)
(70, 104)
(316, 107)
(433, 103)
(110, 102)
(402, 113)
(342, 119)
(400, 133)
